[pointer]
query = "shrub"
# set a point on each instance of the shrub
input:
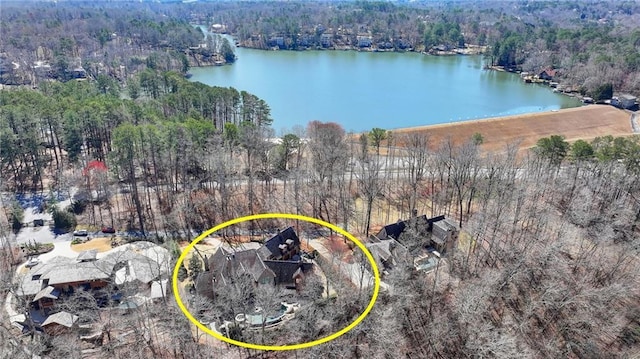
(182, 273)
(16, 217)
(195, 266)
(602, 92)
(78, 206)
(63, 221)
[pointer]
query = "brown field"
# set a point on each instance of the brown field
(585, 122)
(101, 244)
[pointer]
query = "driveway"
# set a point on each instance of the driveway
(62, 249)
(353, 272)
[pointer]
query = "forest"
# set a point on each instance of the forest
(547, 260)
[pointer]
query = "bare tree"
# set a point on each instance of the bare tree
(415, 162)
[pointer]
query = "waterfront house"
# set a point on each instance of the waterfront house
(547, 74)
(305, 40)
(364, 41)
(276, 41)
(79, 73)
(326, 40)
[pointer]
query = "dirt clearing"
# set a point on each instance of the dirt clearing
(585, 122)
(101, 244)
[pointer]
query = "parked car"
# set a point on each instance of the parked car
(108, 230)
(81, 233)
(32, 262)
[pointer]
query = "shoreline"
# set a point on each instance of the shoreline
(468, 50)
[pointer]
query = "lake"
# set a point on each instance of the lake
(362, 90)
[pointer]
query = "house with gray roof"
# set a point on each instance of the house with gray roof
(141, 263)
(388, 254)
(59, 322)
(627, 101)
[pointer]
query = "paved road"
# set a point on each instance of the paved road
(41, 235)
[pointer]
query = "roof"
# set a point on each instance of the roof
(225, 264)
(145, 262)
(251, 263)
(436, 228)
(72, 271)
(89, 255)
(421, 224)
(273, 244)
(62, 318)
(140, 268)
(217, 262)
(29, 286)
(48, 292)
(392, 230)
(441, 230)
(284, 271)
(627, 97)
(204, 283)
(551, 72)
(380, 249)
(386, 251)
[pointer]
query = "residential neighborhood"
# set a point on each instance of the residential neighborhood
(67, 283)
(342, 179)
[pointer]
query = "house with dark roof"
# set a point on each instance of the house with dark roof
(389, 247)
(284, 246)
(547, 74)
(278, 261)
(326, 40)
(438, 233)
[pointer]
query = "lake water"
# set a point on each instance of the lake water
(362, 90)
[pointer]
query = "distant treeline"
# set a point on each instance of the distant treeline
(590, 44)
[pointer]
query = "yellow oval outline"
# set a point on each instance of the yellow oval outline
(376, 276)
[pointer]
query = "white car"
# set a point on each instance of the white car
(81, 233)
(32, 262)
